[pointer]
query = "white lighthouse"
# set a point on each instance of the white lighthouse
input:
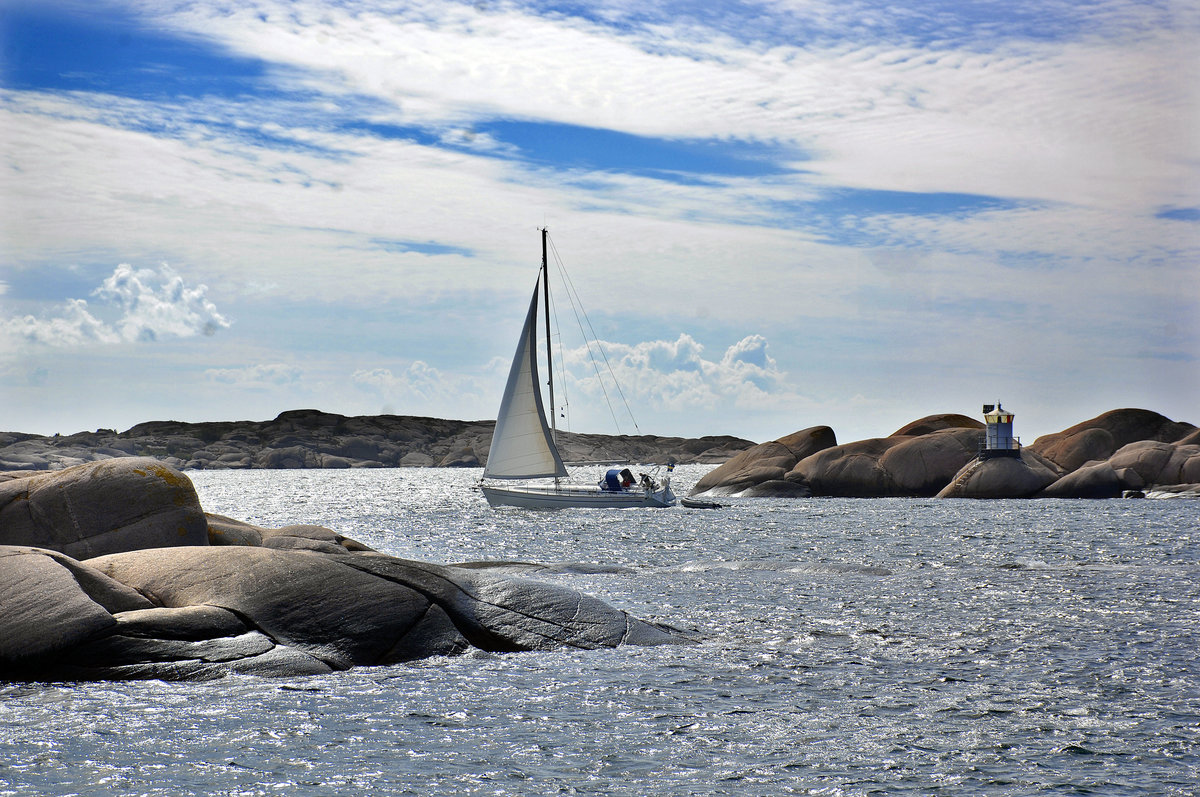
(998, 440)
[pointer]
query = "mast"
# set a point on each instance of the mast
(549, 355)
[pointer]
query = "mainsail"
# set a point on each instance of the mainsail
(521, 444)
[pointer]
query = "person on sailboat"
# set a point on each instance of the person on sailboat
(617, 481)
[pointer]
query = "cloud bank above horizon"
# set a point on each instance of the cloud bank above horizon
(146, 306)
(878, 195)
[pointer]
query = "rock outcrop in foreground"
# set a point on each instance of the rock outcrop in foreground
(1115, 453)
(241, 598)
(314, 439)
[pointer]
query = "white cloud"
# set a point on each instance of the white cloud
(74, 325)
(1098, 117)
(653, 376)
(158, 304)
(676, 375)
(261, 376)
(149, 305)
(421, 386)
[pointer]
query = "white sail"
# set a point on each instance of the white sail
(521, 445)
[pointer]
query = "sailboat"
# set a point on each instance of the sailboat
(523, 453)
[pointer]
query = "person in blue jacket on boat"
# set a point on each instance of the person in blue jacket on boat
(617, 481)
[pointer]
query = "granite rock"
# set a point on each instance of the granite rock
(1001, 477)
(241, 598)
(1095, 480)
(101, 507)
(896, 466)
(764, 462)
(1100, 437)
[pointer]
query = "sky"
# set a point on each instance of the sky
(776, 214)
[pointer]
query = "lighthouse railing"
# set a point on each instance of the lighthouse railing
(987, 452)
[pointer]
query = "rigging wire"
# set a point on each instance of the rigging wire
(580, 317)
(564, 406)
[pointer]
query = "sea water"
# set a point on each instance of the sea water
(842, 647)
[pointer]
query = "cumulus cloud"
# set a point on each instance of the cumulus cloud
(676, 375)
(145, 305)
(73, 325)
(158, 304)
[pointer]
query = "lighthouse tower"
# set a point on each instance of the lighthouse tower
(998, 440)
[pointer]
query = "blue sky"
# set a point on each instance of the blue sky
(777, 214)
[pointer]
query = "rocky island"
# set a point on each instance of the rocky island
(315, 439)
(1125, 451)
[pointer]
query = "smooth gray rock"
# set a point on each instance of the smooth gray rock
(314, 602)
(227, 531)
(191, 670)
(45, 612)
(49, 603)
(1160, 463)
(1097, 480)
(1002, 477)
(777, 488)
(184, 622)
(535, 616)
(102, 507)
(764, 462)
(500, 613)
(895, 466)
(367, 608)
(292, 601)
(118, 650)
(280, 661)
(433, 635)
(1100, 437)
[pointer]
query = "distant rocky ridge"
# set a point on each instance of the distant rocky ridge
(1121, 452)
(315, 439)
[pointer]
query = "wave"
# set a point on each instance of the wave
(837, 568)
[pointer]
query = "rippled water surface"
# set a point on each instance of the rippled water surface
(845, 647)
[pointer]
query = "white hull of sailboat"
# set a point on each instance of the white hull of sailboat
(577, 496)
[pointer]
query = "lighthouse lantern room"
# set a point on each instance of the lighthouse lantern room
(998, 439)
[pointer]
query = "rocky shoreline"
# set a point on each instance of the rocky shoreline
(315, 439)
(112, 570)
(1125, 452)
